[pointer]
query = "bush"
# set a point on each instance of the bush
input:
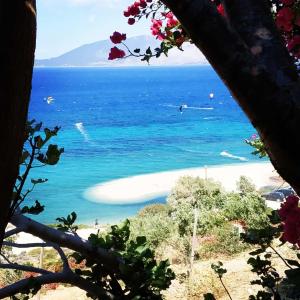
(193, 192)
(224, 240)
(250, 208)
(153, 209)
(245, 185)
(154, 222)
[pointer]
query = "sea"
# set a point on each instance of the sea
(120, 122)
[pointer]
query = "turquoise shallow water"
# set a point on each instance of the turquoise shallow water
(119, 122)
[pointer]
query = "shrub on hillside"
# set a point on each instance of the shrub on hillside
(245, 185)
(154, 209)
(154, 222)
(193, 192)
(249, 207)
(224, 240)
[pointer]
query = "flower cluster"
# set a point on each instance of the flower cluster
(134, 10)
(168, 28)
(290, 216)
(288, 21)
(116, 53)
(118, 37)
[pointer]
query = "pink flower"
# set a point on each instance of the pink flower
(156, 23)
(284, 19)
(118, 37)
(126, 13)
(134, 10)
(172, 22)
(293, 42)
(143, 4)
(220, 9)
(179, 41)
(155, 29)
(116, 53)
(290, 215)
(287, 2)
(131, 21)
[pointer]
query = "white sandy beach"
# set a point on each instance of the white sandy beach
(141, 188)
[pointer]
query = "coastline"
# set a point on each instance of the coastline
(146, 187)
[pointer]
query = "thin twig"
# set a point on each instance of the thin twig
(24, 268)
(5, 258)
(281, 257)
(225, 288)
(13, 231)
(27, 245)
(16, 201)
(63, 257)
(63, 277)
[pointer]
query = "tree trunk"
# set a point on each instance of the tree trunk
(18, 33)
(247, 52)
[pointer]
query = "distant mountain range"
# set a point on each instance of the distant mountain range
(96, 54)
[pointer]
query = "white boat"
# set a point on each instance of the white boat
(49, 99)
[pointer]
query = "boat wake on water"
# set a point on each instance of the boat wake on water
(82, 130)
(185, 106)
(227, 154)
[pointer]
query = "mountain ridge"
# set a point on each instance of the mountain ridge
(96, 55)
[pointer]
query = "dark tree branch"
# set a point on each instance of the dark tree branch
(65, 277)
(12, 232)
(18, 32)
(17, 200)
(27, 245)
(63, 258)
(24, 268)
(5, 258)
(66, 240)
(270, 99)
(253, 21)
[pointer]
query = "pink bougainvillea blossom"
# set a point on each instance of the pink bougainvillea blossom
(116, 53)
(118, 37)
(290, 216)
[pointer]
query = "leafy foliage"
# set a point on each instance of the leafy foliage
(67, 224)
(245, 185)
(36, 153)
(139, 275)
(259, 147)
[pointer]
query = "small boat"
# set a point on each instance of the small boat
(49, 99)
(182, 106)
(211, 95)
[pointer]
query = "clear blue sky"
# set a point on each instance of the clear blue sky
(67, 24)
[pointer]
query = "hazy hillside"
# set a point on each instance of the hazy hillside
(96, 54)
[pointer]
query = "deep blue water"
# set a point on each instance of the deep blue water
(118, 122)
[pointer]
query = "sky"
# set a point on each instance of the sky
(63, 25)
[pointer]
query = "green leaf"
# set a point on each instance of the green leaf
(40, 180)
(34, 210)
(141, 240)
(52, 155)
(292, 262)
(148, 51)
(257, 252)
(293, 276)
(25, 155)
(209, 296)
